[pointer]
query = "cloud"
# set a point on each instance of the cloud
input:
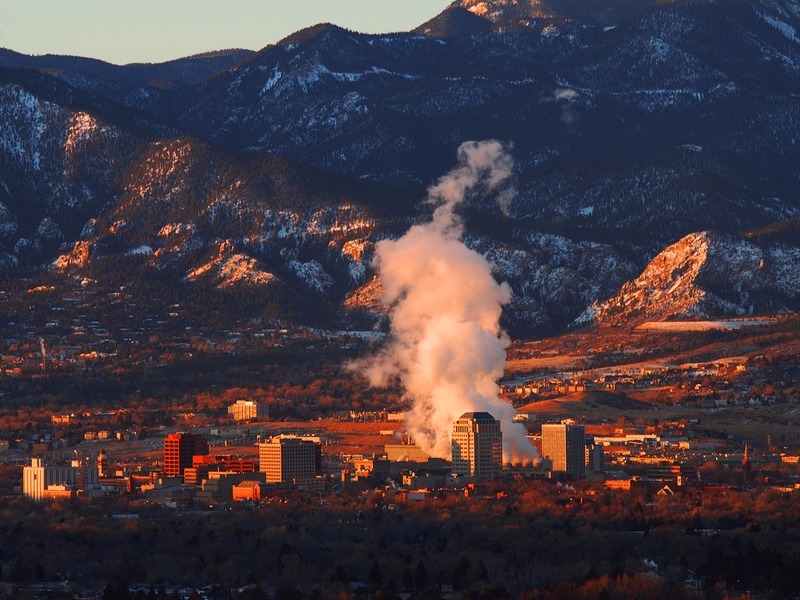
(565, 99)
(446, 345)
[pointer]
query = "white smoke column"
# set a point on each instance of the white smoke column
(44, 354)
(446, 344)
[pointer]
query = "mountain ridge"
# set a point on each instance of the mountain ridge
(680, 118)
(706, 275)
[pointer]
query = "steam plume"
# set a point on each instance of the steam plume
(446, 345)
(44, 354)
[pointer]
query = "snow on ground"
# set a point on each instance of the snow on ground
(142, 250)
(312, 274)
(721, 325)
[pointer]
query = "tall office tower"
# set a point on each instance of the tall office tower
(289, 459)
(565, 446)
(477, 443)
(179, 448)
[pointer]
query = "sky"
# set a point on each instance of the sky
(125, 31)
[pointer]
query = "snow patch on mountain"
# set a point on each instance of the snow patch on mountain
(787, 30)
(8, 262)
(272, 81)
(785, 264)
(312, 274)
(8, 224)
(358, 272)
(49, 231)
(143, 250)
(81, 129)
(24, 124)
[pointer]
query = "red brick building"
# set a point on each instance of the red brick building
(179, 448)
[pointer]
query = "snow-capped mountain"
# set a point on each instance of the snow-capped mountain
(634, 123)
(524, 13)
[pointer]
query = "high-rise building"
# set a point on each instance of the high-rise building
(565, 446)
(595, 459)
(477, 443)
(290, 460)
(179, 448)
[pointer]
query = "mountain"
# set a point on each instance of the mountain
(698, 98)
(634, 124)
(708, 275)
(88, 195)
(515, 14)
(100, 75)
(211, 215)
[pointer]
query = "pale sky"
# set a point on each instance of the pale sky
(125, 31)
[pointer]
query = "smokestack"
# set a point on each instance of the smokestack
(446, 345)
(44, 354)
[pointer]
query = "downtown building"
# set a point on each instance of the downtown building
(477, 444)
(179, 448)
(564, 445)
(248, 410)
(290, 460)
(41, 482)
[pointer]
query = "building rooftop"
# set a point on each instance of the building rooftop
(478, 416)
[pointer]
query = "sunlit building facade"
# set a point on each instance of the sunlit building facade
(290, 460)
(179, 448)
(477, 443)
(248, 410)
(565, 446)
(37, 478)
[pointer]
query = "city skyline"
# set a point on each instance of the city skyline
(128, 33)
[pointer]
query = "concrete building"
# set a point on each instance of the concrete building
(219, 486)
(37, 479)
(565, 446)
(247, 410)
(290, 460)
(477, 443)
(595, 461)
(405, 452)
(179, 448)
(669, 472)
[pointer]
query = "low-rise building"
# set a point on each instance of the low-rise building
(219, 485)
(405, 452)
(38, 479)
(248, 490)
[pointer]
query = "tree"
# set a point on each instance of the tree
(375, 574)
(118, 591)
(420, 576)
